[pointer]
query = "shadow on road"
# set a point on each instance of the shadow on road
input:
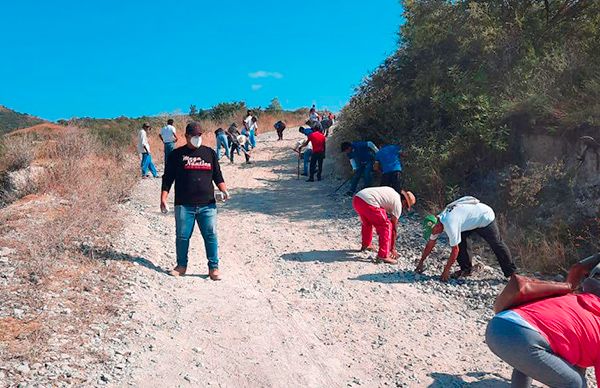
(413, 277)
(325, 256)
(394, 277)
(111, 254)
(444, 380)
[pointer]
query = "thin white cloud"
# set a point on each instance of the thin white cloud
(255, 87)
(265, 74)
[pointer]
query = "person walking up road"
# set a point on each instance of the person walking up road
(168, 134)
(459, 220)
(194, 168)
(373, 204)
(362, 156)
(143, 148)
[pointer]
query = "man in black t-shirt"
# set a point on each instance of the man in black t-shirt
(194, 168)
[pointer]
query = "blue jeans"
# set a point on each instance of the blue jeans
(222, 142)
(146, 164)
(307, 155)
(365, 170)
(531, 356)
(169, 147)
(252, 139)
(206, 217)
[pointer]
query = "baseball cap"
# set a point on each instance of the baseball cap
(194, 129)
(428, 223)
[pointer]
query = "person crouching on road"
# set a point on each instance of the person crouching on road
(279, 127)
(459, 220)
(222, 142)
(317, 140)
(194, 168)
(373, 205)
(552, 340)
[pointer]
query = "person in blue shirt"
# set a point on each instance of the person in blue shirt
(387, 160)
(308, 151)
(362, 156)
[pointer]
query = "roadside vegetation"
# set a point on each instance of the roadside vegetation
(468, 81)
(11, 120)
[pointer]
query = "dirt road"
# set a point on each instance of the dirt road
(298, 306)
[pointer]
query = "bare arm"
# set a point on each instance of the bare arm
(428, 248)
(303, 145)
(450, 263)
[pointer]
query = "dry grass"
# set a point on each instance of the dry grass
(60, 291)
(17, 152)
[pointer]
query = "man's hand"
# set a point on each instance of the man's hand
(420, 267)
(445, 275)
(163, 201)
(226, 195)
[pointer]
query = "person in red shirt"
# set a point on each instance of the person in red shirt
(551, 340)
(317, 140)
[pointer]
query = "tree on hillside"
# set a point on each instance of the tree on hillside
(275, 106)
(193, 110)
(225, 110)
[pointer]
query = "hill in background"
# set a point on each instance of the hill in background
(11, 120)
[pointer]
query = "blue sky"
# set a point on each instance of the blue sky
(106, 58)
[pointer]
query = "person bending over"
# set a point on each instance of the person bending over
(373, 204)
(459, 220)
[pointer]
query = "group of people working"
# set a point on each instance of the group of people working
(551, 340)
(233, 141)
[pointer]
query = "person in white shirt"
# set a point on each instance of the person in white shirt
(253, 132)
(168, 134)
(373, 205)
(459, 220)
(143, 148)
(248, 121)
(313, 115)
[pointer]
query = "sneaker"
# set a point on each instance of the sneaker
(310, 180)
(214, 274)
(178, 271)
(303, 174)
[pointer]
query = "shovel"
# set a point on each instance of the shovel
(340, 186)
